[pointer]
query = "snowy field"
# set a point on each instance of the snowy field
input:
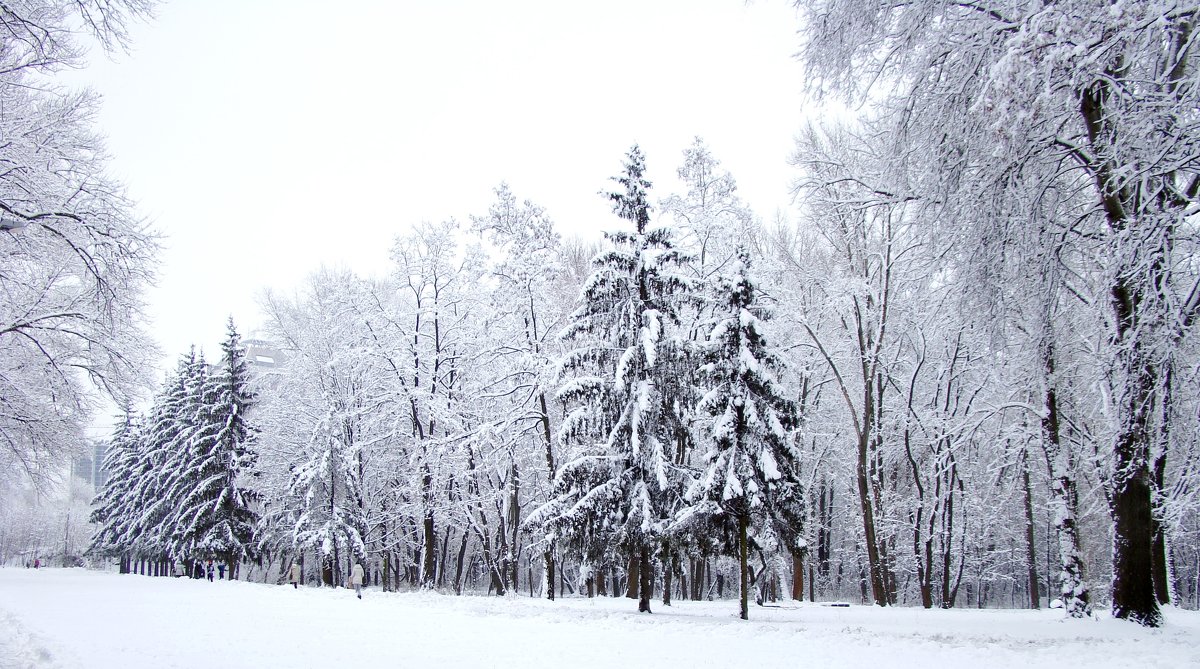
(75, 618)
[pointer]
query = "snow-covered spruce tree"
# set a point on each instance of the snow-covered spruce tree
(164, 460)
(615, 491)
(216, 517)
(113, 509)
(751, 465)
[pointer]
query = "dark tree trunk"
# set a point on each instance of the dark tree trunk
(668, 567)
(874, 562)
(1030, 550)
(743, 572)
(445, 552)
(632, 582)
(1133, 562)
(798, 575)
(429, 564)
(1133, 595)
(458, 568)
(812, 588)
(548, 443)
(548, 558)
(646, 579)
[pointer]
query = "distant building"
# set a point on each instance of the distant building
(90, 466)
(262, 354)
(99, 473)
(261, 357)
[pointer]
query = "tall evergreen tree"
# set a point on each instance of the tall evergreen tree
(113, 509)
(165, 458)
(618, 486)
(216, 516)
(751, 466)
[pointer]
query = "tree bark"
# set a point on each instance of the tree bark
(743, 576)
(429, 564)
(668, 570)
(1133, 596)
(1161, 556)
(646, 579)
(798, 575)
(875, 566)
(1030, 550)
(632, 581)
(1074, 593)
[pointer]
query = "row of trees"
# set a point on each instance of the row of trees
(178, 486)
(502, 413)
(985, 314)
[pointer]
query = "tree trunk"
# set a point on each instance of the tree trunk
(548, 442)
(874, 563)
(632, 582)
(668, 570)
(458, 568)
(513, 553)
(444, 554)
(1133, 595)
(548, 558)
(812, 588)
(646, 574)
(1074, 593)
(1030, 550)
(1133, 563)
(428, 564)
(743, 575)
(798, 575)
(1161, 556)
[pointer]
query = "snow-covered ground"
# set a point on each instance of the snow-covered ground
(76, 618)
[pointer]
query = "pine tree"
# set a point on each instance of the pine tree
(750, 469)
(216, 516)
(113, 507)
(164, 458)
(618, 487)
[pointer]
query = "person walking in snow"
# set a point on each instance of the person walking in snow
(210, 571)
(294, 575)
(356, 579)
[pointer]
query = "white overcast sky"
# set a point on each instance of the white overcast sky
(264, 139)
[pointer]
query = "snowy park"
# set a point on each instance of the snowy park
(696, 333)
(76, 618)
